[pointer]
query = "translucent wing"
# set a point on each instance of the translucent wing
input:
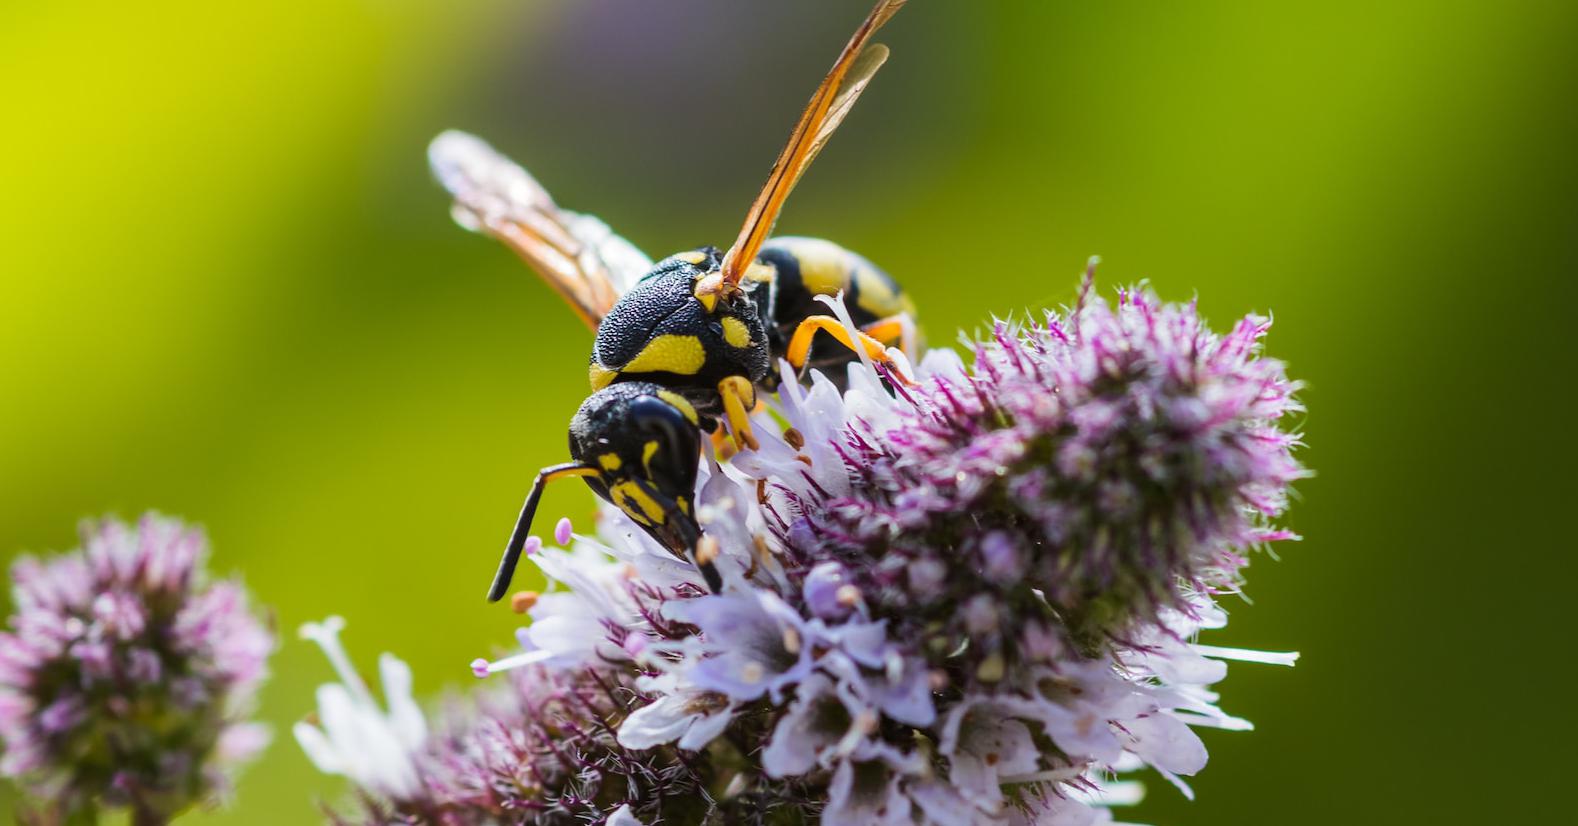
(578, 255)
(860, 74)
(828, 106)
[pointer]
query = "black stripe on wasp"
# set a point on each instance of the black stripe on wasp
(688, 341)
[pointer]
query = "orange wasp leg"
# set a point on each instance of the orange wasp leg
(800, 344)
(739, 398)
(895, 329)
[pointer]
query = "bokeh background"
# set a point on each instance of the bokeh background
(230, 291)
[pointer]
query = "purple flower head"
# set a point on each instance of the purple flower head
(126, 676)
(1111, 461)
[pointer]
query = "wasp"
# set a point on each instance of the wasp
(683, 345)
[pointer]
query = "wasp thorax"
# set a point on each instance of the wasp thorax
(712, 289)
(684, 328)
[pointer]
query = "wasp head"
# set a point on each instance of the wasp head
(637, 445)
(644, 444)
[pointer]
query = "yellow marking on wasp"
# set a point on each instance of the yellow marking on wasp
(684, 504)
(876, 295)
(680, 402)
(636, 504)
(758, 271)
(824, 265)
(736, 333)
(739, 396)
(682, 355)
(610, 461)
(600, 376)
(709, 300)
(694, 257)
(648, 450)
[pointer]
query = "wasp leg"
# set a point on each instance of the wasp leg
(739, 398)
(722, 443)
(512, 551)
(800, 344)
(895, 329)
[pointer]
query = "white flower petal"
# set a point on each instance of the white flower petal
(706, 728)
(654, 725)
(663, 721)
(1166, 743)
(944, 806)
(623, 817)
(405, 717)
(320, 750)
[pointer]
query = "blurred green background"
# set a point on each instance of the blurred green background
(229, 291)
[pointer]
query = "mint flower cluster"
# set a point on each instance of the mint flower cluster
(126, 676)
(1113, 463)
(974, 599)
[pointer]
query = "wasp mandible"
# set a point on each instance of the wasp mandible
(687, 341)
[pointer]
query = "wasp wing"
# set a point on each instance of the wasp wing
(578, 255)
(860, 73)
(831, 102)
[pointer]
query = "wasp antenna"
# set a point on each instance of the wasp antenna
(518, 537)
(837, 92)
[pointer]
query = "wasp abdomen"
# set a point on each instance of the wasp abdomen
(809, 267)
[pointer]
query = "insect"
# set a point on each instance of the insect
(686, 342)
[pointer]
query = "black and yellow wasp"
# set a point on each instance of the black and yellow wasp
(687, 341)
